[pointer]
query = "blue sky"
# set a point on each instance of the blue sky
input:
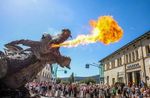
(29, 19)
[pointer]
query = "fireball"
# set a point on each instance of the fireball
(105, 30)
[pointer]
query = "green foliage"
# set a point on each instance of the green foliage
(58, 80)
(88, 81)
(71, 78)
(65, 82)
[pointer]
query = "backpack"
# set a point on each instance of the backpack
(113, 91)
(108, 92)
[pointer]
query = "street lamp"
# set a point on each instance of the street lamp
(100, 67)
(65, 72)
(55, 70)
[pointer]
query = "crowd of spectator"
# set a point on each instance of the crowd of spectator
(76, 90)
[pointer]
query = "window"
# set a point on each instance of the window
(129, 57)
(119, 62)
(107, 79)
(147, 50)
(113, 64)
(120, 79)
(113, 80)
(126, 58)
(133, 56)
(137, 54)
(108, 66)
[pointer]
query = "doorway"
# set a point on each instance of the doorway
(137, 77)
(134, 77)
(130, 77)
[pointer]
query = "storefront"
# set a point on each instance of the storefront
(120, 77)
(115, 75)
(133, 73)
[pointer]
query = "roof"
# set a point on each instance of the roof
(123, 47)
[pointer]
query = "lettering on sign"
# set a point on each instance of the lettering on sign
(133, 66)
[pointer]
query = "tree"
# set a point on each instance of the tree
(58, 80)
(64, 82)
(88, 81)
(71, 78)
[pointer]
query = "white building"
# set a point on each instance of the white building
(45, 74)
(130, 63)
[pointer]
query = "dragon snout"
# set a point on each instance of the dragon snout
(65, 62)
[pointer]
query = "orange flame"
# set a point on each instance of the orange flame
(105, 30)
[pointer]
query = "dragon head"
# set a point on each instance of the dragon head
(66, 33)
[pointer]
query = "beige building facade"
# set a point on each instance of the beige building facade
(45, 74)
(130, 63)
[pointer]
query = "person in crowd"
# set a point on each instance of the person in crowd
(107, 92)
(76, 90)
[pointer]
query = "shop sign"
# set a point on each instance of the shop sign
(132, 66)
